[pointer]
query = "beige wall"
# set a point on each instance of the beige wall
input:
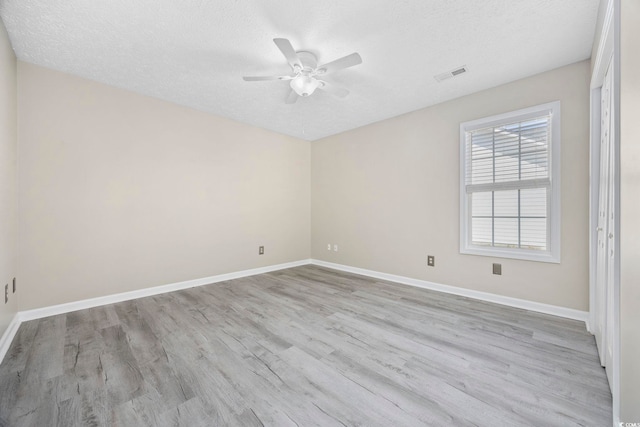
(388, 194)
(119, 191)
(630, 212)
(8, 147)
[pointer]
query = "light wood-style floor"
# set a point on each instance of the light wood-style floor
(302, 347)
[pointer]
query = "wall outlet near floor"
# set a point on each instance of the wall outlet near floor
(261, 250)
(6, 293)
(335, 248)
(497, 269)
(431, 260)
(328, 246)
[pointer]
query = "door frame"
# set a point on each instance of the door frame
(608, 49)
(601, 327)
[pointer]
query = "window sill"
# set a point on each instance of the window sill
(526, 255)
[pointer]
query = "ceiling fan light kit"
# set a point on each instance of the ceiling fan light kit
(304, 85)
(305, 69)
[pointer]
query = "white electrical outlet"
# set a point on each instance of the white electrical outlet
(328, 246)
(335, 248)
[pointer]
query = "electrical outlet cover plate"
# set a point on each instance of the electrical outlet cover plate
(431, 260)
(261, 250)
(497, 269)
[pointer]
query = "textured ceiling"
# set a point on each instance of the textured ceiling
(194, 52)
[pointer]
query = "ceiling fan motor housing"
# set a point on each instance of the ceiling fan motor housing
(308, 60)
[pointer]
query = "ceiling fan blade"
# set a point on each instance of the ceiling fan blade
(291, 98)
(340, 92)
(287, 50)
(262, 78)
(339, 64)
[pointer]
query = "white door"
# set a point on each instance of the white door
(604, 254)
(611, 237)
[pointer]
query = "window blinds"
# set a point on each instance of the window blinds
(507, 180)
(512, 156)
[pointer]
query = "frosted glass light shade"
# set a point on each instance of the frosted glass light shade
(304, 85)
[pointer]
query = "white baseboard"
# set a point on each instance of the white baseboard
(9, 334)
(53, 310)
(568, 313)
(38, 313)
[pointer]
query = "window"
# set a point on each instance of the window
(510, 185)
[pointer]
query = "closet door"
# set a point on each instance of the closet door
(604, 254)
(611, 237)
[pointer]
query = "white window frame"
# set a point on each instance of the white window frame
(552, 254)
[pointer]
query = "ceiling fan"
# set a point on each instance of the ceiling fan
(306, 75)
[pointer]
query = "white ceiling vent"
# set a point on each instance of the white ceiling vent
(453, 73)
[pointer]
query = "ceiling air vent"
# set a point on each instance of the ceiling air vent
(453, 73)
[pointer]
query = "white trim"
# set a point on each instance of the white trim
(554, 310)
(552, 254)
(141, 293)
(605, 47)
(608, 50)
(521, 115)
(23, 316)
(594, 187)
(9, 334)
(615, 387)
(38, 313)
(523, 254)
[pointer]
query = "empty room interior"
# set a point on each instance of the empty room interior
(320, 213)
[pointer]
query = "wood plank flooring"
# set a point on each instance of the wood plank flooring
(303, 347)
